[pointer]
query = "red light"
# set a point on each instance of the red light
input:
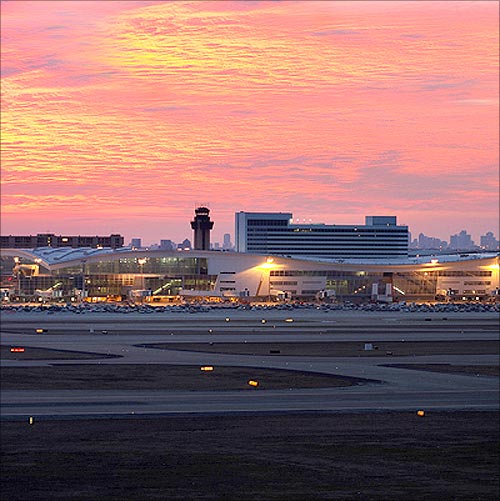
(17, 349)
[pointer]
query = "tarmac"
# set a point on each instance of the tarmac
(387, 388)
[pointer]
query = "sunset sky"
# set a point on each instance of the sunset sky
(122, 116)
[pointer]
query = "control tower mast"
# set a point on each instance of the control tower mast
(202, 226)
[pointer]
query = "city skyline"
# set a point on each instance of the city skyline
(120, 117)
(460, 241)
(413, 241)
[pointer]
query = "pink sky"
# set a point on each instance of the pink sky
(121, 117)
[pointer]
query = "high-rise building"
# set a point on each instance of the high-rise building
(489, 242)
(167, 245)
(136, 243)
(202, 225)
(462, 241)
(425, 242)
(274, 233)
(184, 245)
(227, 244)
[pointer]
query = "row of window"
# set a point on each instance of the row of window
(319, 273)
(295, 231)
(324, 243)
(417, 274)
(267, 222)
(166, 265)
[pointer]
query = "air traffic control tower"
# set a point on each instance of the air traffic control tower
(202, 226)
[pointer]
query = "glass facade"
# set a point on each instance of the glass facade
(162, 275)
(160, 265)
(422, 284)
(112, 275)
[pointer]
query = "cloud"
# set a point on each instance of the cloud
(165, 108)
(9, 71)
(415, 36)
(273, 106)
(57, 27)
(243, 112)
(478, 102)
(438, 85)
(336, 32)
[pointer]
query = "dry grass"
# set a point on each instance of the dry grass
(340, 348)
(383, 456)
(162, 377)
(470, 370)
(34, 353)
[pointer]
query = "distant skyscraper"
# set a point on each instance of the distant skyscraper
(184, 245)
(202, 225)
(489, 242)
(227, 245)
(167, 245)
(136, 242)
(462, 241)
(425, 242)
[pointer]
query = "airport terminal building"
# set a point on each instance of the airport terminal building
(75, 274)
(275, 261)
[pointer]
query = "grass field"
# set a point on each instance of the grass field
(162, 377)
(381, 455)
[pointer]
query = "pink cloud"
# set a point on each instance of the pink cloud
(252, 106)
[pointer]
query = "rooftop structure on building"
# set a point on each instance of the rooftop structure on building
(274, 233)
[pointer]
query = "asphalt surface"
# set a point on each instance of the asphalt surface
(394, 389)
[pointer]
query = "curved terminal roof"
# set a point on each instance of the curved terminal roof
(64, 256)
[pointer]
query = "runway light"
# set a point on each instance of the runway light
(253, 383)
(31, 420)
(206, 368)
(40, 331)
(288, 319)
(227, 319)
(420, 413)
(263, 321)
(17, 349)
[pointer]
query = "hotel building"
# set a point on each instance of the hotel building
(274, 233)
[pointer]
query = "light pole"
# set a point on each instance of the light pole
(141, 262)
(83, 281)
(17, 268)
(270, 262)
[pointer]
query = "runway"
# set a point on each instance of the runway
(390, 388)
